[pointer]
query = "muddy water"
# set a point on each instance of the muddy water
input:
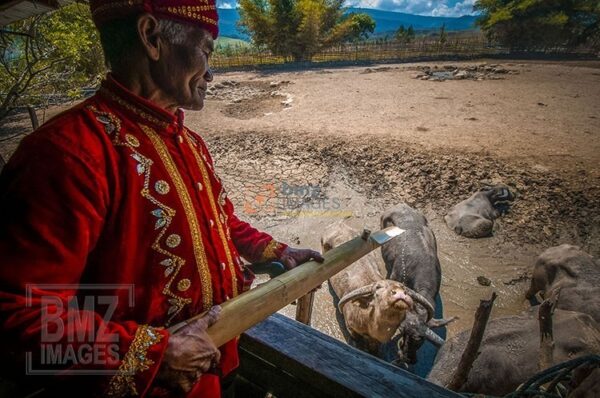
(296, 212)
(464, 260)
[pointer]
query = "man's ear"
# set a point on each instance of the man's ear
(149, 34)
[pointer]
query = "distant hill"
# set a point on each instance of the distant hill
(230, 41)
(386, 21)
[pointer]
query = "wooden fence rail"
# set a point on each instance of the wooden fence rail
(292, 360)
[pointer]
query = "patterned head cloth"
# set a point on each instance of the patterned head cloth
(199, 12)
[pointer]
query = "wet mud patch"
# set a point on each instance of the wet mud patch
(250, 99)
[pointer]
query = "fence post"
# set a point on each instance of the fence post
(33, 116)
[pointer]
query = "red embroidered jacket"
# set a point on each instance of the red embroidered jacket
(117, 192)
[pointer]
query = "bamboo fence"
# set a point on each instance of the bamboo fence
(421, 48)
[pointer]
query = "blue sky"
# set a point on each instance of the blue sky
(446, 8)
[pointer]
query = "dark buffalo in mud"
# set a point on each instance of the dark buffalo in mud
(412, 260)
(510, 350)
(474, 217)
(573, 274)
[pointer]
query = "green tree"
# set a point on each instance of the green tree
(443, 35)
(47, 57)
(404, 35)
(531, 24)
(298, 29)
(401, 32)
(360, 26)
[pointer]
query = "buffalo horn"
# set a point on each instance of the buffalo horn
(421, 300)
(434, 338)
(360, 292)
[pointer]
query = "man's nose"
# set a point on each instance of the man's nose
(208, 76)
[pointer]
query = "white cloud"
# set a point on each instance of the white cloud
(446, 8)
(226, 4)
(461, 8)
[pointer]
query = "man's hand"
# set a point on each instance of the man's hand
(291, 258)
(190, 353)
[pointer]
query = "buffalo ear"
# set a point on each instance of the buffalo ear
(363, 301)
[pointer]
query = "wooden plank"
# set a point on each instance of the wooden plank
(302, 358)
(272, 379)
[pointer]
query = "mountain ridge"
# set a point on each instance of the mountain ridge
(385, 21)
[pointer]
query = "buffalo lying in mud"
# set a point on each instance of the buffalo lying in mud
(474, 217)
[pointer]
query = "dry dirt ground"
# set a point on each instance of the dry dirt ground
(299, 150)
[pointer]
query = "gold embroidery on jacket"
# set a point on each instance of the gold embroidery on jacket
(223, 216)
(133, 108)
(192, 218)
(162, 187)
(213, 206)
(164, 216)
(112, 124)
(269, 252)
(135, 361)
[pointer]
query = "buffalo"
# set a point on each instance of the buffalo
(510, 350)
(411, 259)
(369, 308)
(474, 217)
(571, 273)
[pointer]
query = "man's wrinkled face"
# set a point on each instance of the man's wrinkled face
(183, 71)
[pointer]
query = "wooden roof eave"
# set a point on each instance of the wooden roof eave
(16, 10)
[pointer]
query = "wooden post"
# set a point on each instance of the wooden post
(472, 349)
(546, 310)
(33, 116)
(255, 305)
(304, 308)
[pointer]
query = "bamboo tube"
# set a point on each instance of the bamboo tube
(255, 305)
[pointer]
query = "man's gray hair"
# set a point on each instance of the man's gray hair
(176, 32)
(120, 37)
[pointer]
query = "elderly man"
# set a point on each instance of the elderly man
(116, 192)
